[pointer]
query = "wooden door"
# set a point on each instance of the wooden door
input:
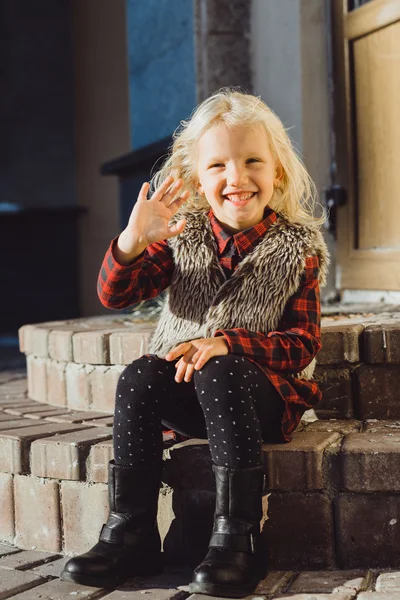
(367, 74)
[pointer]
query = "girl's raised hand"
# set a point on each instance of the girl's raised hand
(148, 222)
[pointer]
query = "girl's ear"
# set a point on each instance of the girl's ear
(199, 188)
(279, 173)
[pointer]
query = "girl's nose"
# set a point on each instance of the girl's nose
(236, 175)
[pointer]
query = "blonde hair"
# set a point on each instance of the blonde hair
(296, 196)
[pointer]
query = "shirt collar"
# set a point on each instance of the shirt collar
(244, 240)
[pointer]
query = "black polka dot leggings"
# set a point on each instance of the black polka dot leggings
(229, 401)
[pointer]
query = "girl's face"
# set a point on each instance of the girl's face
(237, 174)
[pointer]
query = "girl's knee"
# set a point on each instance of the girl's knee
(139, 382)
(142, 365)
(221, 363)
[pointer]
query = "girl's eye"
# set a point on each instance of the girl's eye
(221, 165)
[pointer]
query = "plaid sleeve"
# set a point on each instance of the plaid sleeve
(119, 286)
(298, 338)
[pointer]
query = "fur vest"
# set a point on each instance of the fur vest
(200, 299)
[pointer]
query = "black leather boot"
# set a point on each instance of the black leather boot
(233, 565)
(129, 542)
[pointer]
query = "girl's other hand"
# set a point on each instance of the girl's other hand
(195, 355)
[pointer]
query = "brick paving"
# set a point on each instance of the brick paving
(34, 575)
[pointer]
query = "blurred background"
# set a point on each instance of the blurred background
(92, 90)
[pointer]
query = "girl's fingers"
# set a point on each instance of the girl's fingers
(200, 361)
(177, 203)
(160, 191)
(184, 368)
(183, 197)
(184, 372)
(143, 191)
(189, 372)
(180, 371)
(166, 198)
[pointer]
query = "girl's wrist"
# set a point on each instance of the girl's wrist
(128, 249)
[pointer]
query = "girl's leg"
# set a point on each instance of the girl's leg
(241, 409)
(129, 543)
(230, 401)
(148, 396)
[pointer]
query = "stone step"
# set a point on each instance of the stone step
(76, 364)
(339, 472)
(331, 497)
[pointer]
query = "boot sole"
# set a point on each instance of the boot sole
(223, 591)
(92, 581)
(110, 583)
(226, 591)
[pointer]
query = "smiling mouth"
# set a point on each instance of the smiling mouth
(240, 202)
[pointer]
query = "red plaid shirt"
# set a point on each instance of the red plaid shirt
(279, 354)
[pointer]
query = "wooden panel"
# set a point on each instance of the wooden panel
(371, 274)
(371, 16)
(362, 112)
(377, 98)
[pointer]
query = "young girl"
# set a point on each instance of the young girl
(229, 230)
